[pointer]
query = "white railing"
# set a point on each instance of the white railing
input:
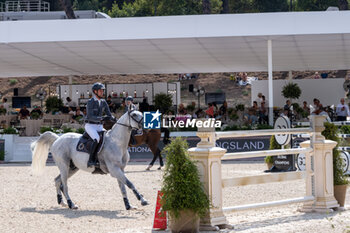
(14, 6)
(318, 174)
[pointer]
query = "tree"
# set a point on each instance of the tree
(271, 5)
(343, 5)
(67, 6)
(315, 5)
(206, 7)
(225, 7)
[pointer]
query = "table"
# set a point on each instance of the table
(32, 127)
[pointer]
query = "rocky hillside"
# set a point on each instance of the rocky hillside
(212, 82)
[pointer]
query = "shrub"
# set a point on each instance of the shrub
(273, 145)
(163, 102)
(291, 91)
(331, 133)
(10, 130)
(80, 130)
(2, 155)
(13, 81)
(181, 185)
(53, 103)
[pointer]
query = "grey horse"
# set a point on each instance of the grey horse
(113, 157)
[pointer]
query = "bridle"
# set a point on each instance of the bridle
(131, 117)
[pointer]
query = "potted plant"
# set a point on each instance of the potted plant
(183, 195)
(270, 159)
(340, 181)
(291, 91)
(53, 104)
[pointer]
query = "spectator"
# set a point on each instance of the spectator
(244, 80)
(305, 107)
(144, 106)
(265, 101)
(323, 112)
(24, 113)
(223, 111)
(342, 110)
(263, 114)
(287, 107)
(317, 76)
(316, 107)
(70, 111)
(37, 109)
(181, 110)
(110, 103)
(259, 99)
(216, 109)
(78, 115)
(210, 111)
(6, 105)
(70, 103)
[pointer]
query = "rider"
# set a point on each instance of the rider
(129, 105)
(95, 107)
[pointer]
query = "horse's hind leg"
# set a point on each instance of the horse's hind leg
(59, 185)
(118, 173)
(62, 184)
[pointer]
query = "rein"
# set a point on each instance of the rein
(130, 117)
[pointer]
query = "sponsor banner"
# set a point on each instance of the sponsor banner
(230, 144)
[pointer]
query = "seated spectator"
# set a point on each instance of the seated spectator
(199, 114)
(37, 109)
(223, 111)
(24, 113)
(210, 111)
(181, 110)
(70, 103)
(305, 107)
(323, 112)
(263, 114)
(216, 109)
(252, 116)
(78, 115)
(287, 106)
(70, 111)
(110, 103)
(316, 107)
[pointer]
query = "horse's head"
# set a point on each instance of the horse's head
(136, 119)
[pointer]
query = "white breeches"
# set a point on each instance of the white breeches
(93, 129)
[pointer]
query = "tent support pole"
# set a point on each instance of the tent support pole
(269, 56)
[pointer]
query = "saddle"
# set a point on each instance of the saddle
(85, 143)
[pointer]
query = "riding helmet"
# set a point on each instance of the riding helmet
(98, 86)
(129, 98)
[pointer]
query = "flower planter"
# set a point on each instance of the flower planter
(340, 194)
(187, 222)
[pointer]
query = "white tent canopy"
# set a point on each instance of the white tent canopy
(176, 44)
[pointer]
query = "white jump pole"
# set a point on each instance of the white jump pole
(269, 56)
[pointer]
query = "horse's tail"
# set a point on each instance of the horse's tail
(40, 151)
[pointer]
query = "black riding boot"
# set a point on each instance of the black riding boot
(92, 159)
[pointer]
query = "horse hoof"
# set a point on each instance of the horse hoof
(71, 205)
(131, 207)
(144, 202)
(63, 204)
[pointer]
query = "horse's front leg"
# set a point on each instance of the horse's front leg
(118, 173)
